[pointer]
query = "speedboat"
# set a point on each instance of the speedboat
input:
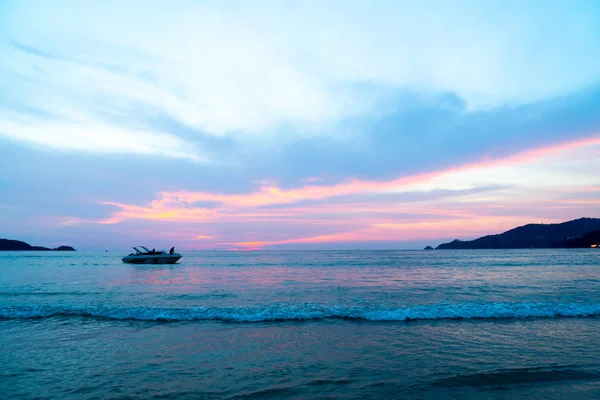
(151, 257)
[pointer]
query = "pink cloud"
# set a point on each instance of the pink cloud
(368, 217)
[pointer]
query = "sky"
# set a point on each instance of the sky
(295, 125)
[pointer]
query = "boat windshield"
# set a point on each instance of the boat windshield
(146, 251)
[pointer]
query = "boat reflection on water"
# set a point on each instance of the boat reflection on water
(152, 256)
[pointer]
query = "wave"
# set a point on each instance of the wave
(518, 376)
(49, 294)
(309, 311)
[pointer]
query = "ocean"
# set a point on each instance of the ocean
(481, 324)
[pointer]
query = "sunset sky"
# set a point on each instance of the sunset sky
(295, 125)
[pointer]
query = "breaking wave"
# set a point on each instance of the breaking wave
(310, 311)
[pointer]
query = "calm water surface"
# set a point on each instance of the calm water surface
(453, 324)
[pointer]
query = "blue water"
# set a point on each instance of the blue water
(437, 324)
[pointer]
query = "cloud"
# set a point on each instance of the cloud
(279, 123)
(458, 199)
(419, 133)
(278, 72)
(82, 134)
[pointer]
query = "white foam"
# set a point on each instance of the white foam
(311, 311)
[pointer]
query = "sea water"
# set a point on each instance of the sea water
(352, 324)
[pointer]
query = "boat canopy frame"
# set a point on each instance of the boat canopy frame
(138, 251)
(147, 251)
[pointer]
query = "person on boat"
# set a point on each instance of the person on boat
(172, 250)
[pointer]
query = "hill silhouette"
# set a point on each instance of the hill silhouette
(591, 239)
(17, 245)
(563, 235)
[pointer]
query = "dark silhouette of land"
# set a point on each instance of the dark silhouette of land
(17, 245)
(591, 239)
(579, 233)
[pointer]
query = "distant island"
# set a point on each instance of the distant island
(17, 245)
(579, 233)
(428, 248)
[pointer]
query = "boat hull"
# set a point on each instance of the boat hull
(152, 259)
